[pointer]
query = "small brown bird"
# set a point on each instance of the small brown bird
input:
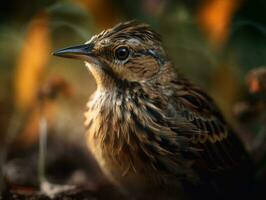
(149, 128)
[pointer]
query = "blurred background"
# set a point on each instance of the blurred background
(216, 43)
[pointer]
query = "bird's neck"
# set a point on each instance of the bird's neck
(113, 117)
(111, 109)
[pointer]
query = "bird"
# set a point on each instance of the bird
(152, 129)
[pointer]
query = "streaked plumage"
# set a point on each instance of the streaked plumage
(148, 127)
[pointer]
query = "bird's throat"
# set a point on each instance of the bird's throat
(103, 76)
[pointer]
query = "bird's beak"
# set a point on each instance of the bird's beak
(76, 52)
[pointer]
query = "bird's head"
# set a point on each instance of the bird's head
(129, 51)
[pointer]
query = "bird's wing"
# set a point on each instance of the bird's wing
(219, 148)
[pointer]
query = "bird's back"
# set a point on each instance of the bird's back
(224, 167)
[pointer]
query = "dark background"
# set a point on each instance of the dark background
(214, 42)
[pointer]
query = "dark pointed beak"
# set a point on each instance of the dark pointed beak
(76, 52)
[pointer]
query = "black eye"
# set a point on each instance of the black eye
(121, 53)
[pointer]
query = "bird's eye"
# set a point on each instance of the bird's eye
(121, 53)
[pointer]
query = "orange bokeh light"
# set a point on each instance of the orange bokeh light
(215, 17)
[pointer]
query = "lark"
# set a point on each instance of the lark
(149, 127)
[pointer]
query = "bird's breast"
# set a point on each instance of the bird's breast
(116, 137)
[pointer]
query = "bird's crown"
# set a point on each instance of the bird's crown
(129, 30)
